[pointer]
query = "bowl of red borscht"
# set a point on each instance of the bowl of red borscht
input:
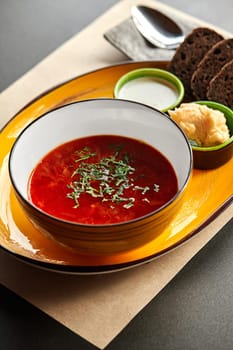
(101, 176)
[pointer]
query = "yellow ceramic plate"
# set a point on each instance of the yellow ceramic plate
(209, 192)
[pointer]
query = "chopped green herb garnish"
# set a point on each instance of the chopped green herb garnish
(84, 154)
(143, 189)
(107, 178)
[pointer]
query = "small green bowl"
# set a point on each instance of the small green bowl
(165, 86)
(215, 156)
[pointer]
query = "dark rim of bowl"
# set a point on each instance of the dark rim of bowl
(76, 224)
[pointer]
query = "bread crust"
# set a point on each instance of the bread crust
(220, 54)
(221, 86)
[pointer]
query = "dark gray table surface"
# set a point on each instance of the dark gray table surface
(195, 310)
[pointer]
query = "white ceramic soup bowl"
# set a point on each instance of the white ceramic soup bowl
(100, 117)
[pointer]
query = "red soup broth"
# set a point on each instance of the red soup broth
(102, 179)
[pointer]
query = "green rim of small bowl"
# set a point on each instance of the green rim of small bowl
(161, 74)
(228, 113)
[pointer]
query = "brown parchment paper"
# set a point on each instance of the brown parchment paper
(95, 307)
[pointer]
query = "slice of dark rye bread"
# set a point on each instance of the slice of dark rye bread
(220, 54)
(190, 53)
(221, 86)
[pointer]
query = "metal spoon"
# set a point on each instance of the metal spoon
(157, 28)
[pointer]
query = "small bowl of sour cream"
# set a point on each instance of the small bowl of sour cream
(155, 87)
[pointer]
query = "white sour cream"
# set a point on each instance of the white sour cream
(152, 91)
